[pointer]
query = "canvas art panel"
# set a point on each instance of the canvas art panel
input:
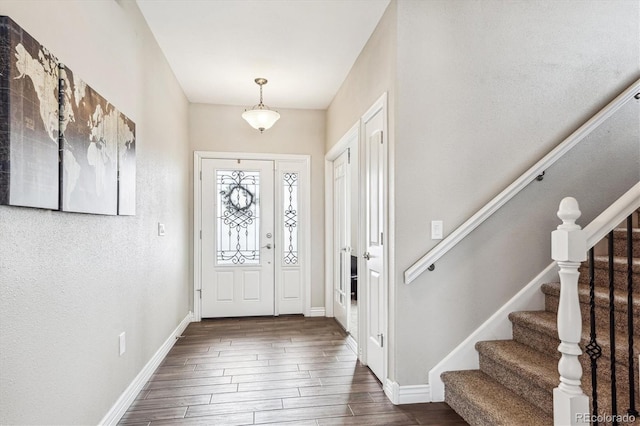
(126, 166)
(29, 162)
(89, 148)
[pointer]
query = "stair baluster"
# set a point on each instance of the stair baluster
(569, 249)
(593, 349)
(632, 385)
(612, 333)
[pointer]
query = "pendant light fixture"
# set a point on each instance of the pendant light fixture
(259, 116)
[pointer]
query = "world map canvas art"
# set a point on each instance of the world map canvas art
(126, 166)
(89, 148)
(62, 145)
(28, 120)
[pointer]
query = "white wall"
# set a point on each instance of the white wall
(71, 283)
(220, 128)
(485, 89)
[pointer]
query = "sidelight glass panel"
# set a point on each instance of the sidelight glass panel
(238, 217)
(290, 234)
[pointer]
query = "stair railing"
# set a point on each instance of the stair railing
(427, 262)
(569, 248)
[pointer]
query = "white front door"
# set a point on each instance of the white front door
(374, 271)
(237, 238)
(341, 239)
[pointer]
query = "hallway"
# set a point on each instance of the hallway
(271, 370)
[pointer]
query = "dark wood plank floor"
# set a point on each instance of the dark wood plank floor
(288, 370)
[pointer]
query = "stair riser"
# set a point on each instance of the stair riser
(620, 248)
(602, 315)
(483, 402)
(544, 344)
(620, 244)
(541, 398)
(458, 402)
(601, 275)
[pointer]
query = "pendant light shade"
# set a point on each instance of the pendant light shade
(260, 117)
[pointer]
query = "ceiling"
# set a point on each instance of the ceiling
(305, 48)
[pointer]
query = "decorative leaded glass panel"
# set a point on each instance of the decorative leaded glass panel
(238, 217)
(290, 198)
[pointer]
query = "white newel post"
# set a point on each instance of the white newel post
(569, 248)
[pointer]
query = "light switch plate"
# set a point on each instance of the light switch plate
(436, 229)
(123, 343)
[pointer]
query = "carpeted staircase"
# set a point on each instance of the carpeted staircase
(516, 378)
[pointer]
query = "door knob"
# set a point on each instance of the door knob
(366, 255)
(268, 246)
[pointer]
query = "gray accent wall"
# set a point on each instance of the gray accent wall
(71, 283)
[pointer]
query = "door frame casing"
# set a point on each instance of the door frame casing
(352, 134)
(304, 246)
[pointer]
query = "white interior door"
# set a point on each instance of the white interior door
(237, 238)
(341, 239)
(374, 273)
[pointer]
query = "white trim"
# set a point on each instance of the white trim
(410, 394)
(197, 209)
(125, 400)
(329, 158)
(249, 156)
(497, 327)
(198, 156)
(317, 311)
(527, 177)
(352, 344)
(615, 214)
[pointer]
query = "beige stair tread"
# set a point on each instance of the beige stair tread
(546, 322)
(620, 263)
(601, 296)
(622, 233)
(525, 361)
(487, 402)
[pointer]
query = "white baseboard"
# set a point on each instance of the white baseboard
(317, 312)
(352, 344)
(411, 394)
(497, 327)
(131, 392)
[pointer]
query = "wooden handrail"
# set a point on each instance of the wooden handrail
(519, 184)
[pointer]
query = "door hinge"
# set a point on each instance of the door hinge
(382, 238)
(200, 174)
(200, 292)
(381, 335)
(200, 234)
(348, 155)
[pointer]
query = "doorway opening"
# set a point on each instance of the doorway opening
(342, 178)
(357, 225)
(353, 314)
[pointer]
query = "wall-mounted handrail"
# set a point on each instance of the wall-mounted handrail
(426, 261)
(613, 216)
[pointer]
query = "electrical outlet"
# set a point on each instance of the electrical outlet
(123, 343)
(436, 229)
(161, 230)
